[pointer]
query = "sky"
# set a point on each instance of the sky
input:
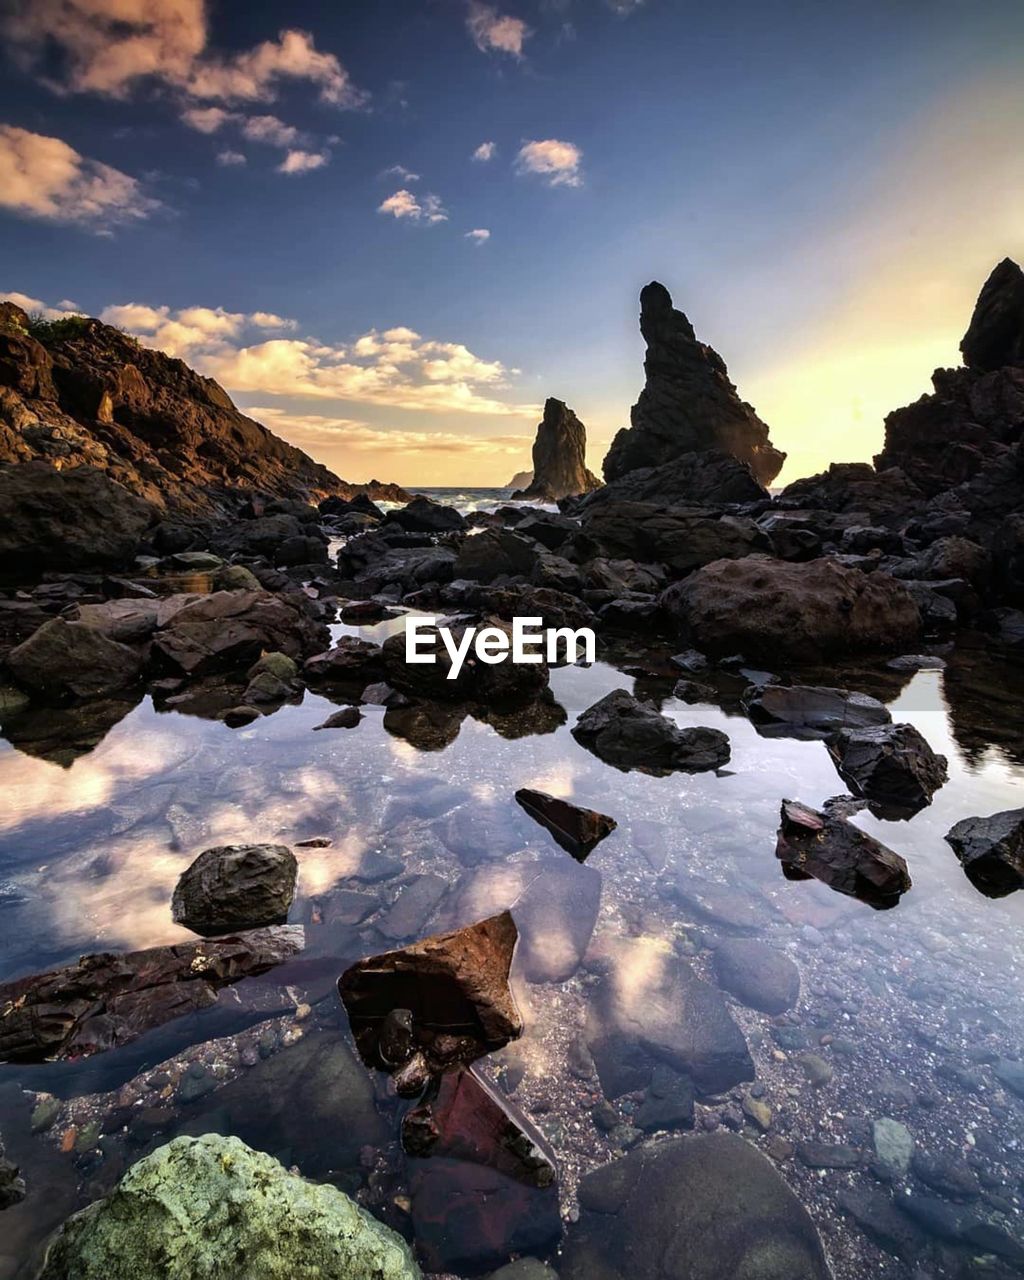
(392, 229)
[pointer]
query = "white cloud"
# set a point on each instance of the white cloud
(271, 130)
(403, 204)
(191, 331)
(43, 177)
(558, 162)
(207, 119)
(298, 161)
(227, 158)
(400, 171)
(269, 320)
(479, 235)
(485, 151)
(111, 45)
(35, 306)
(492, 30)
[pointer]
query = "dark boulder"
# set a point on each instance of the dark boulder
(688, 404)
(995, 336)
(502, 683)
(559, 457)
(495, 553)
(578, 831)
(423, 515)
(991, 851)
(63, 661)
(12, 1185)
(889, 765)
(630, 734)
(236, 886)
(683, 540)
(830, 849)
(706, 478)
(352, 661)
(809, 711)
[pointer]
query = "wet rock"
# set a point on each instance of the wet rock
(213, 1206)
(688, 403)
(455, 985)
(414, 907)
(230, 630)
(724, 905)
(809, 711)
(347, 718)
(238, 717)
(668, 1102)
(578, 831)
(830, 849)
(991, 851)
(894, 1144)
(630, 734)
(826, 1155)
(948, 1175)
(817, 1070)
(350, 661)
(670, 1017)
(774, 610)
(68, 660)
(524, 1269)
(236, 886)
(1010, 1073)
(423, 515)
(876, 1213)
(12, 1185)
(502, 683)
(463, 1118)
(478, 833)
(559, 457)
(701, 1207)
(891, 766)
(757, 975)
(106, 1000)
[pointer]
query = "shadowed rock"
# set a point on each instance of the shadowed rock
(995, 336)
(455, 985)
(68, 660)
(688, 403)
(830, 849)
(559, 457)
(578, 831)
(423, 515)
(106, 1000)
(889, 765)
(757, 975)
(630, 734)
(809, 711)
(236, 886)
(991, 851)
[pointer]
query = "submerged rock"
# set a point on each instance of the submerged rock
(455, 985)
(559, 457)
(578, 831)
(212, 1207)
(70, 660)
(236, 886)
(702, 1207)
(105, 1000)
(830, 849)
(809, 711)
(463, 1117)
(12, 1185)
(891, 766)
(991, 851)
(757, 975)
(630, 734)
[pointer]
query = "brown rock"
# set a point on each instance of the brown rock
(66, 660)
(578, 831)
(830, 849)
(559, 457)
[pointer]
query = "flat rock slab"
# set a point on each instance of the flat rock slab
(809, 711)
(830, 849)
(577, 830)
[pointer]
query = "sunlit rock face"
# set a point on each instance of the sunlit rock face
(688, 403)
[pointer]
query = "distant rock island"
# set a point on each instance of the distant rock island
(521, 480)
(559, 457)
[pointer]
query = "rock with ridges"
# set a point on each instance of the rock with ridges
(578, 831)
(889, 765)
(630, 734)
(995, 336)
(991, 851)
(236, 886)
(67, 660)
(832, 850)
(809, 711)
(559, 457)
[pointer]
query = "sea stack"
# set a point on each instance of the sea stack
(688, 404)
(559, 456)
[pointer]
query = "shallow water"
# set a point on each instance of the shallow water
(896, 1002)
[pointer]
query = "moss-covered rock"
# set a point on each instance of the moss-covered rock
(211, 1208)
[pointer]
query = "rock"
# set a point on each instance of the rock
(995, 336)
(66, 520)
(890, 765)
(106, 1000)
(991, 851)
(894, 1144)
(12, 1185)
(66, 660)
(809, 711)
(876, 1213)
(351, 661)
(1010, 1073)
(423, 515)
(464, 1118)
(347, 718)
(688, 403)
(815, 1068)
(885, 496)
(776, 610)
(230, 630)
(414, 907)
(213, 1207)
(455, 985)
(757, 975)
(578, 831)
(668, 1102)
(948, 1175)
(236, 886)
(495, 553)
(834, 851)
(672, 1018)
(682, 540)
(630, 734)
(704, 478)
(559, 457)
(702, 1207)
(827, 1155)
(524, 1268)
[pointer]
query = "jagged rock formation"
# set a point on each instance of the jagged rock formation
(559, 456)
(89, 395)
(995, 336)
(521, 480)
(688, 404)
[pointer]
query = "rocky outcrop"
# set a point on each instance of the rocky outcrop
(688, 403)
(705, 478)
(236, 886)
(63, 661)
(630, 734)
(559, 457)
(835, 852)
(213, 1207)
(995, 336)
(774, 609)
(521, 480)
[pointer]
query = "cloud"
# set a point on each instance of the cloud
(35, 306)
(110, 46)
(361, 437)
(624, 7)
(485, 151)
(271, 130)
(207, 119)
(403, 204)
(227, 158)
(400, 171)
(191, 330)
(298, 161)
(558, 162)
(491, 30)
(44, 177)
(479, 235)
